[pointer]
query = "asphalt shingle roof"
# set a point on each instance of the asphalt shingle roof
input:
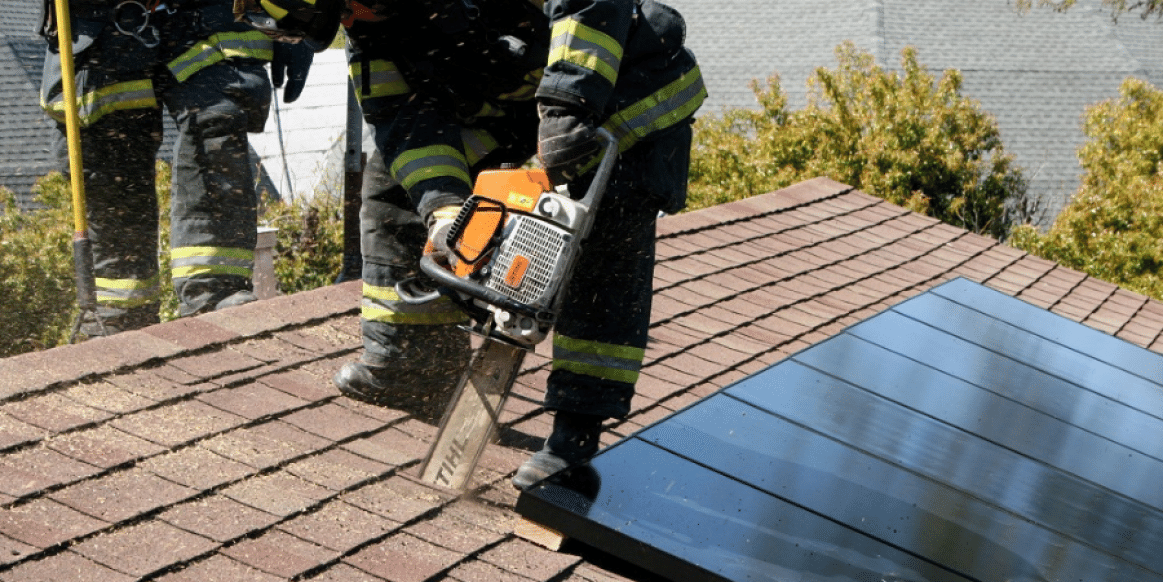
(216, 448)
(25, 131)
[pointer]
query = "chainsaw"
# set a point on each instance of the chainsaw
(512, 251)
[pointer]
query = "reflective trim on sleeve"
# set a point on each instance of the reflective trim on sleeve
(95, 104)
(600, 360)
(589, 48)
(658, 111)
(673, 103)
(384, 79)
(126, 293)
(477, 144)
(219, 47)
(383, 304)
(187, 262)
(438, 161)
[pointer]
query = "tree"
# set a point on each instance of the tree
(1113, 227)
(1145, 8)
(908, 138)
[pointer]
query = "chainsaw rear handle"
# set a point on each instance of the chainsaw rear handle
(447, 280)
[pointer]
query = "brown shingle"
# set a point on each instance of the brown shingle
(247, 464)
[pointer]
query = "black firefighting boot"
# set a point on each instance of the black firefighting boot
(575, 438)
(423, 393)
(113, 320)
(363, 381)
(235, 299)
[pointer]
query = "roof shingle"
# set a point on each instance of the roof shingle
(219, 442)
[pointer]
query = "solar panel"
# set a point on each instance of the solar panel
(961, 435)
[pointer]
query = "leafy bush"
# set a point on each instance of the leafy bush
(37, 291)
(908, 138)
(309, 251)
(1113, 227)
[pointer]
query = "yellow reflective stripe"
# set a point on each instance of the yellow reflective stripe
(667, 106)
(672, 104)
(117, 97)
(207, 270)
(527, 90)
(225, 252)
(127, 292)
(477, 144)
(574, 42)
(273, 9)
(446, 213)
(382, 304)
(489, 110)
(382, 315)
(278, 12)
(384, 79)
(439, 161)
(600, 360)
(199, 261)
(226, 45)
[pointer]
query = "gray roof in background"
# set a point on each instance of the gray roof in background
(1036, 73)
(25, 131)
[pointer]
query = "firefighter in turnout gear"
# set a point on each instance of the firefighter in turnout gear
(452, 87)
(132, 57)
(447, 88)
(620, 65)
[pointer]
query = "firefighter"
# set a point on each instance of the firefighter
(451, 87)
(132, 57)
(447, 89)
(620, 65)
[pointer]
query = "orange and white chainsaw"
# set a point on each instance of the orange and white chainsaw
(512, 252)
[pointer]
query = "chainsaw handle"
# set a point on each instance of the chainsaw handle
(413, 293)
(605, 167)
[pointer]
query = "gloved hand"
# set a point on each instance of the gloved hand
(439, 224)
(566, 139)
(291, 62)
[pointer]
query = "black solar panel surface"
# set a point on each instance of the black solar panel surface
(961, 435)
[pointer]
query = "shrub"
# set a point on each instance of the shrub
(38, 294)
(309, 251)
(38, 298)
(908, 138)
(1113, 227)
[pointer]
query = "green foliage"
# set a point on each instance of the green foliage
(309, 251)
(38, 298)
(908, 138)
(37, 291)
(1113, 227)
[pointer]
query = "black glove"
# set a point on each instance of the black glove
(566, 139)
(291, 61)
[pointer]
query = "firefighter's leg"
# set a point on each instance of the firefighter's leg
(121, 203)
(120, 136)
(600, 337)
(413, 354)
(213, 205)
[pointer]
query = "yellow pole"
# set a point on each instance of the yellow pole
(82, 248)
(72, 119)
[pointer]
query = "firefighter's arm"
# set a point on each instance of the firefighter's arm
(585, 52)
(585, 59)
